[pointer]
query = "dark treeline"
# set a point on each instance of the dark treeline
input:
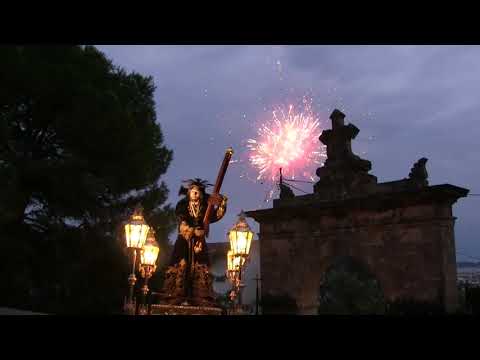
(79, 148)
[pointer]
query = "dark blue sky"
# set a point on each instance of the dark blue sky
(413, 101)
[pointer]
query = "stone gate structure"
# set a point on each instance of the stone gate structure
(402, 231)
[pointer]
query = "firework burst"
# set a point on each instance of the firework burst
(288, 140)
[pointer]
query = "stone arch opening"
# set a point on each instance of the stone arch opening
(349, 287)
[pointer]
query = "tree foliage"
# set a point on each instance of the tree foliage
(349, 289)
(79, 147)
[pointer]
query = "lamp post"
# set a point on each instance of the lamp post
(233, 272)
(232, 269)
(148, 259)
(136, 230)
(240, 236)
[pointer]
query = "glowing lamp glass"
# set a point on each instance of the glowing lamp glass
(136, 231)
(150, 252)
(240, 236)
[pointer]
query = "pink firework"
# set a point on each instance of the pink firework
(289, 140)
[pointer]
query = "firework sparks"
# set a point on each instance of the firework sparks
(289, 140)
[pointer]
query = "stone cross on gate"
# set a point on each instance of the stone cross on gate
(342, 169)
(339, 139)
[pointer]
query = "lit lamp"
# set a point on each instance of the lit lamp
(148, 259)
(240, 236)
(234, 264)
(136, 231)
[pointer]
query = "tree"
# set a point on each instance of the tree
(348, 288)
(79, 147)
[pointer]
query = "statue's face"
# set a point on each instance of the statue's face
(195, 193)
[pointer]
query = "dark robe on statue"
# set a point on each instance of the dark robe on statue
(187, 277)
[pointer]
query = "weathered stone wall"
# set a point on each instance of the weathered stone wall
(410, 250)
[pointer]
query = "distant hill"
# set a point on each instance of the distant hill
(462, 264)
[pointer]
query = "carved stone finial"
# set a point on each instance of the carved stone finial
(338, 119)
(343, 169)
(286, 192)
(419, 173)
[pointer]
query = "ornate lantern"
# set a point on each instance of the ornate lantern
(149, 254)
(136, 229)
(240, 236)
(148, 259)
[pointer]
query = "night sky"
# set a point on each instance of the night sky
(407, 101)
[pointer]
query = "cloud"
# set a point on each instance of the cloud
(416, 100)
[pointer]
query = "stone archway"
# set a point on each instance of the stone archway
(348, 287)
(405, 227)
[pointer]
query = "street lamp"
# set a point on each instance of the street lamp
(148, 259)
(136, 230)
(240, 236)
(233, 270)
(234, 264)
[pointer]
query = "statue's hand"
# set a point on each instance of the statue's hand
(186, 231)
(215, 199)
(222, 207)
